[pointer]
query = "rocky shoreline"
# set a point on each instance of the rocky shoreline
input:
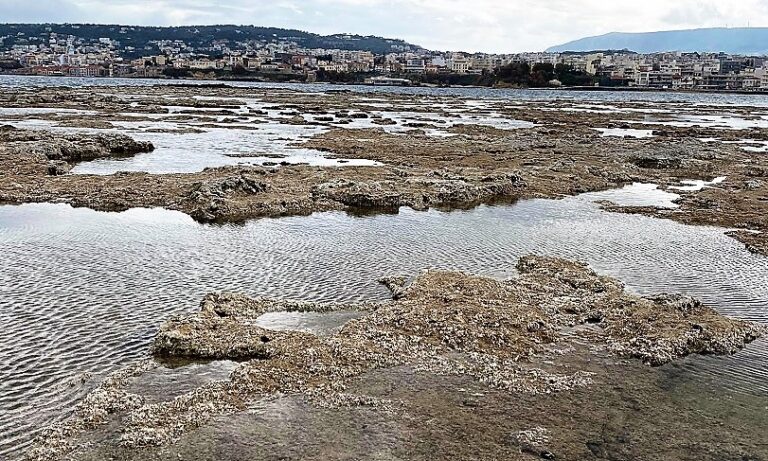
(558, 334)
(560, 153)
(559, 363)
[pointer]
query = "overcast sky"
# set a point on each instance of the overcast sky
(468, 25)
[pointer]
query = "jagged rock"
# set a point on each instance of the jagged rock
(212, 196)
(359, 194)
(443, 323)
(224, 329)
(658, 163)
(384, 121)
(562, 156)
(396, 285)
(74, 147)
(58, 167)
(566, 293)
(488, 322)
(533, 441)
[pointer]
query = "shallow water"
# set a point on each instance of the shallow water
(257, 133)
(191, 145)
(590, 97)
(698, 184)
(253, 141)
(84, 291)
(722, 122)
(268, 144)
(621, 132)
(322, 324)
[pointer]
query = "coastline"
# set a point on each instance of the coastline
(225, 80)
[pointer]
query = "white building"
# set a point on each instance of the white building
(458, 63)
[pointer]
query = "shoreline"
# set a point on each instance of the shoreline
(662, 90)
(204, 82)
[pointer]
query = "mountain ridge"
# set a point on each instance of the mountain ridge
(737, 40)
(140, 37)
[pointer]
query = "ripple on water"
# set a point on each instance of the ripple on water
(85, 291)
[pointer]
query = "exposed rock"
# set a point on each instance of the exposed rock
(658, 163)
(418, 193)
(221, 188)
(209, 197)
(86, 123)
(443, 323)
(230, 316)
(484, 164)
(396, 285)
(58, 167)
(73, 147)
(384, 121)
(533, 441)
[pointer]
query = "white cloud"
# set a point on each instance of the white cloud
(471, 25)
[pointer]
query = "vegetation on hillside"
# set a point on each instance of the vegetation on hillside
(137, 41)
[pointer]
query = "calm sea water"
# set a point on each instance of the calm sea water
(474, 93)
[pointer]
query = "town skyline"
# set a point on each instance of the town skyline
(447, 25)
(270, 54)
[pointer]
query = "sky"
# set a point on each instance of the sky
(460, 25)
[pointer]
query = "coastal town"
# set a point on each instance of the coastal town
(281, 59)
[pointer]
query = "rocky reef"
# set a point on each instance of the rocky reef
(557, 152)
(35, 151)
(539, 334)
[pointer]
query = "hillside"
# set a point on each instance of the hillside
(199, 37)
(734, 41)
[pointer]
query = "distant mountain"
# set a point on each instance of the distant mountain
(747, 41)
(139, 38)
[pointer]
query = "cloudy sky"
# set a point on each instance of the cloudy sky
(468, 25)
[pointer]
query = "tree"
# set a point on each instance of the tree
(569, 76)
(516, 73)
(542, 74)
(176, 73)
(238, 69)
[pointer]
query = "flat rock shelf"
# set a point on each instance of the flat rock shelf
(566, 275)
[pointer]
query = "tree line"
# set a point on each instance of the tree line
(516, 74)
